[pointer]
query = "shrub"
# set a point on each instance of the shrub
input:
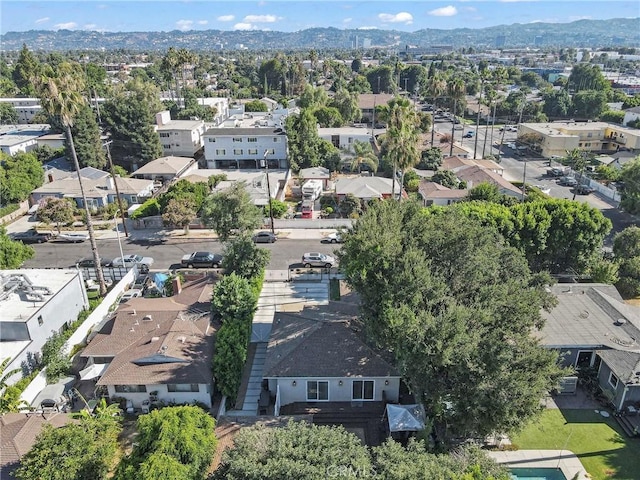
(7, 209)
(147, 209)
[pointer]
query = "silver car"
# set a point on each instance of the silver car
(315, 259)
(129, 261)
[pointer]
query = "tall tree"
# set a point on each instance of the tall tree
(8, 114)
(630, 175)
(86, 137)
(14, 253)
(57, 210)
(27, 67)
(60, 96)
(363, 155)
(244, 258)
(455, 305)
(347, 104)
(456, 91)
(179, 213)
(19, 176)
(626, 248)
(231, 212)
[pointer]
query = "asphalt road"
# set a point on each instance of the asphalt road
(284, 252)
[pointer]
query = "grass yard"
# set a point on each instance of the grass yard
(604, 450)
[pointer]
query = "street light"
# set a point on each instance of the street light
(266, 165)
(115, 222)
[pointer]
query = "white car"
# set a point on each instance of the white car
(332, 238)
(131, 260)
(129, 294)
(315, 259)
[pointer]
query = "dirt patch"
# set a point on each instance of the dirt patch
(634, 301)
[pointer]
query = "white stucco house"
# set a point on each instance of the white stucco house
(166, 168)
(344, 137)
(34, 304)
(21, 138)
(181, 138)
(242, 148)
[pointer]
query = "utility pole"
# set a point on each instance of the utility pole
(266, 165)
(524, 179)
(115, 183)
(475, 145)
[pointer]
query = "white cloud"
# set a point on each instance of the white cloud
(203, 22)
(260, 18)
(448, 11)
(367, 28)
(184, 24)
(65, 26)
(347, 20)
(226, 18)
(243, 26)
(41, 20)
(89, 26)
(470, 9)
(402, 17)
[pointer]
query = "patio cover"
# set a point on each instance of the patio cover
(405, 418)
(93, 371)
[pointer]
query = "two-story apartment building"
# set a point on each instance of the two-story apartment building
(179, 138)
(21, 138)
(245, 147)
(27, 108)
(344, 137)
(559, 137)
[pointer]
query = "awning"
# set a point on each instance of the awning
(93, 371)
(405, 418)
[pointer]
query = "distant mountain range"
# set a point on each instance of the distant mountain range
(581, 33)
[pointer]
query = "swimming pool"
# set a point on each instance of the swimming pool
(537, 474)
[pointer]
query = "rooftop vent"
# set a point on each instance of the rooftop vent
(147, 318)
(620, 321)
(155, 339)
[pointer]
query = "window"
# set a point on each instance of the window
(252, 139)
(275, 139)
(252, 151)
(166, 147)
(350, 140)
(237, 140)
(613, 380)
(211, 140)
(589, 135)
(237, 151)
(40, 320)
(183, 387)
(221, 151)
(131, 388)
(134, 199)
(164, 135)
(317, 390)
(362, 390)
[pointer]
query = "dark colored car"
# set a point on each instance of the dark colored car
(264, 237)
(142, 282)
(89, 263)
(584, 189)
(202, 259)
(31, 236)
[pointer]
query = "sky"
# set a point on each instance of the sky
(295, 15)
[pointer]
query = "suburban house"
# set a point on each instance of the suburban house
(593, 327)
(474, 175)
(316, 173)
(157, 349)
(18, 433)
(27, 108)
(343, 138)
(631, 115)
(367, 188)
(165, 169)
(559, 137)
(34, 304)
(179, 137)
(435, 194)
(51, 140)
(99, 192)
(243, 148)
(367, 102)
(455, 163)
(317, 356)
(21, 138)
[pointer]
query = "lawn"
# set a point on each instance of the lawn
(604, 450)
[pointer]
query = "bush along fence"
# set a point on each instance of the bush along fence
(233, 303)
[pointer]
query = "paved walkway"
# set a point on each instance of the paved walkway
(564, 460)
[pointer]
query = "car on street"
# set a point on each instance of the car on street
(130, 260)
(31, 236)
(469, 134)
(584, 189)
(264, 237)
(332, 238)
(202, 260)
(568, 181)
(558, 171)
(72, 237)
(315, 259)
(89, 263)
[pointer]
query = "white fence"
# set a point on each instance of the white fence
(101, 312)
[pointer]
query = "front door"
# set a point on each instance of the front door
(585, 359)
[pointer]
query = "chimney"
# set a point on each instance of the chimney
(110, 184)
(177, 286)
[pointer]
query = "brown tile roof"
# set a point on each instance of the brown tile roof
(18, 432)
(320, 343)
(158, 340)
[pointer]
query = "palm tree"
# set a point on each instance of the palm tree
(60, 95)
(484, 75)
(456, 91)
(363, 156)
(436, 87)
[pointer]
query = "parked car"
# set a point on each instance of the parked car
(264, 237)
(130, 260)
(568, 181)
(558, 171)
(142, 282)
(469, 134)
(315, 259)
(332, 238)
(202, 259)
(31, 236)
(584, 189)
(89, 263)
(72, 237)
(129, 294)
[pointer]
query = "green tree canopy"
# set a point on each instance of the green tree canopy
(26, 69)
(19, 176)
(455, 305)
(179, 213)
(347, 104)
(630, 175)
(243, 257)
(256, 106)
(232, 298)
(57, 210)
(8, 114)
(626, 248)
(231, 212)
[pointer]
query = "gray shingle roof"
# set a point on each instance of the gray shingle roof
(317, 344)
(626, 365)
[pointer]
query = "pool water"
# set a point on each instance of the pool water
(536, 474)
